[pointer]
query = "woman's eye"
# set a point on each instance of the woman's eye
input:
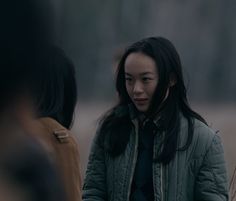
(146, 79)
(128, 79)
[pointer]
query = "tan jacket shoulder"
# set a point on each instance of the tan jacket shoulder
(63, 150)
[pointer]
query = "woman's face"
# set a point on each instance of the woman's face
(141, 79)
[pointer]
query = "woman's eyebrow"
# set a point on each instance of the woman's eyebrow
(146, 73)
(142, 74)
(128, 74)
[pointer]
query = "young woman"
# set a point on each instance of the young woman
(152, 145)
(54, 91)
(26, 173)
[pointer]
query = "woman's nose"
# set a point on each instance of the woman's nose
(138, 88)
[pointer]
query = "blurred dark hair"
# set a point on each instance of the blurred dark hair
(169, 67)
(26, 23)
(25, 28)
(30, 62)
(54, 87)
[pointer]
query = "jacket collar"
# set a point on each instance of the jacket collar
(131, 110)
(138, 116)
(134, 114)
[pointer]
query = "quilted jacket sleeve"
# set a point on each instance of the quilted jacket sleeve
(211, 182)
(94, 188)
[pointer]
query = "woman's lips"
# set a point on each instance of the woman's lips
(140, 101)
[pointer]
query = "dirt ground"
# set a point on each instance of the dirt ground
(219, 117)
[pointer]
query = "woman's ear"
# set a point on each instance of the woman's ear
(172, 80)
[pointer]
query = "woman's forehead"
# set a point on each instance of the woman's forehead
(139, 63)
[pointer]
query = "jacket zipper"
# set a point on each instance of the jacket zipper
(162, 195)
(161, 181)
(134, 159)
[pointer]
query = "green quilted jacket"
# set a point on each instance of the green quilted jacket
(196, 174)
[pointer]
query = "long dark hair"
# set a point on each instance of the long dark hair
(115, 130)
(54, 86)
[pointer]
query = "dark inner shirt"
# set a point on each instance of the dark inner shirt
(142, 184)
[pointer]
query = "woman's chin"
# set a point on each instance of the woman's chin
(142, 108)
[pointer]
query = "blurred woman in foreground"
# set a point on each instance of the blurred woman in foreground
(53, 85)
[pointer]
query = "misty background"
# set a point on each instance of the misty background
(95, 32)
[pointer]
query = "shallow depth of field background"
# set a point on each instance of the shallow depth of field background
(94, 34)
